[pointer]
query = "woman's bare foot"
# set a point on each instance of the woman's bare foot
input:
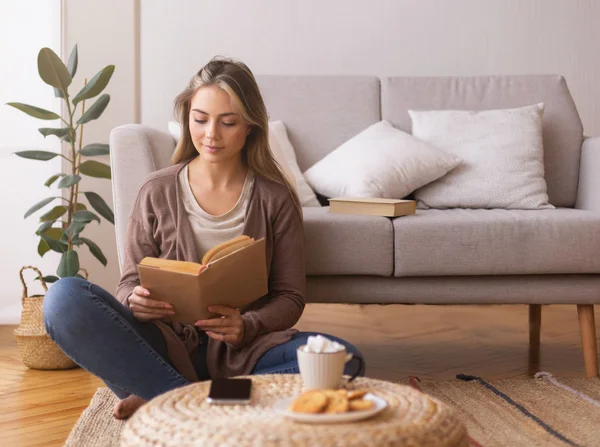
(126, 407)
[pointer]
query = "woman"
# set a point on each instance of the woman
(224, 182)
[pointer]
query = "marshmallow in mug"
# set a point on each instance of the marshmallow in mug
(318, 344)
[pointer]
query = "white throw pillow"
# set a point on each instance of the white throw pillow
(502, 153)
(381, 161)
(283, 152)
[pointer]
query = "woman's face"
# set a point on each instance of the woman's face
(217, 131)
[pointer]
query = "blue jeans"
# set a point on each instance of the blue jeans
(102, 336)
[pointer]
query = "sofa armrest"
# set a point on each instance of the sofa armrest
(588, 191)
(135, 152)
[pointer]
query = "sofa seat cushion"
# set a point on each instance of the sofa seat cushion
(343, 244)
(496, 242)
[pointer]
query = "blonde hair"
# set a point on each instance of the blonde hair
(236, 79)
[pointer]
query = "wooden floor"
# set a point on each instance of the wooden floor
(39, 408)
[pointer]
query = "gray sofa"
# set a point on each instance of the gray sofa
(457, 256)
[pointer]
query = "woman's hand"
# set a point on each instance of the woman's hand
(147, 309)
(229, 328)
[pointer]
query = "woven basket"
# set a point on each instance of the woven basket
(37, 350)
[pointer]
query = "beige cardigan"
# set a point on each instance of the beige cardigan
(158, 227)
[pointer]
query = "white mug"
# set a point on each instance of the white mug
(324, 370)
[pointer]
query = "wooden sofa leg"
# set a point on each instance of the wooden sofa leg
(535, 326)
(587, 329)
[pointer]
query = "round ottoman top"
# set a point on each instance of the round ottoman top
(184, 417)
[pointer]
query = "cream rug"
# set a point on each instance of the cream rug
(524, 412)
(518, 412)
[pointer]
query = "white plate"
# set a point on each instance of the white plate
(283, 407)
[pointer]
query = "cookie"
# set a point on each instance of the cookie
(333, 393)
(361, 404)
(309, 402)
(356, 394)
(336, 403)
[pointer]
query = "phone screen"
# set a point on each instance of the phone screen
(233, 391)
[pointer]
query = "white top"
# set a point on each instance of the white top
(210, 230)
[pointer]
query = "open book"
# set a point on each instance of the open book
(372, 206)
(233, 273)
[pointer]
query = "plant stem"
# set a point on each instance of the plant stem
(76, 159)
(72, 136)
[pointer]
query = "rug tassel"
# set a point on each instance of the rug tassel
(551, 379)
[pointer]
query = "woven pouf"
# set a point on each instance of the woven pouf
(183, 417)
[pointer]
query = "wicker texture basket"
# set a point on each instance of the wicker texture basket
(37, 350)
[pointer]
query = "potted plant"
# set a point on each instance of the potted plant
(62, 225)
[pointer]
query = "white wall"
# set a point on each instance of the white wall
(377, 37)
(22, 180)
(105, 33)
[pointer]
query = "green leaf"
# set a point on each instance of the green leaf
(54, 213)
(69, 264)
(76, 241)
(54, 232)
(95, 169)
(43, 247)
(96, 84)
(52, 237)
(69, 180)
(95, 250)
(80, 207)
(53, 179)
(43, 227)
(37, 206)
(67, 138)
(85, 216)
(73, 230)
(34, 111)
(72, 64)
(94, 149)
(95, 111)
(37, 155)
(100, 206)
(52, 70)
(45, 131)
(50, 278)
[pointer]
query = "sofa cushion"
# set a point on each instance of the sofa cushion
(381, 161)
(283, 151)
(343, 244)
(562, 133)
(502, 158)
(497, 242)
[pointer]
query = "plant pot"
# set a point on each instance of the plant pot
(37, 350)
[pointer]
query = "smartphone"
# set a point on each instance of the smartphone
(230, 391)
